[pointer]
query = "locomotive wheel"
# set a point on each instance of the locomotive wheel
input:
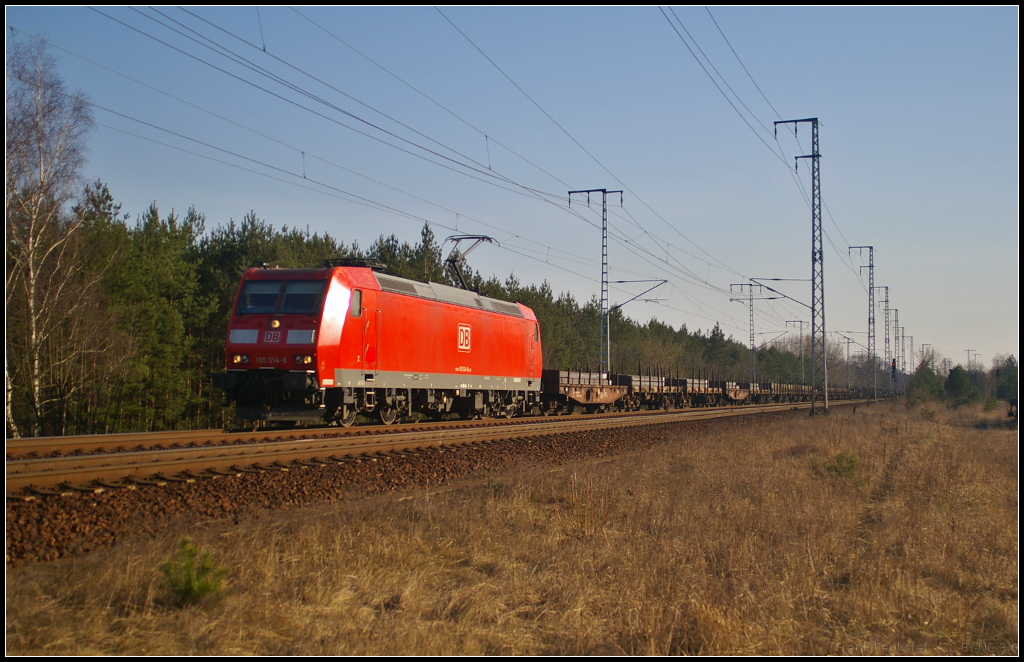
(348, 416)
(388, 414)
(503, 408)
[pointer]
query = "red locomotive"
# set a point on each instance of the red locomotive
(329, 343)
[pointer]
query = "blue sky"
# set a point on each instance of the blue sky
(400, 118)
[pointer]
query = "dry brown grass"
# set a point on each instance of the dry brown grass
(753, 542)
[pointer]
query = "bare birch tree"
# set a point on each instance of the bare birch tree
(46, 132)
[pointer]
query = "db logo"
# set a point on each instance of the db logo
(463, 337)
(272, 336)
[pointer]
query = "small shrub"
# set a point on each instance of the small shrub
(496, 488)
(193, 576)
(990, 404)
(842, 466)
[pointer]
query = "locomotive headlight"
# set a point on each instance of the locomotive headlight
(275, 324)
(301, 359)
(240, 358)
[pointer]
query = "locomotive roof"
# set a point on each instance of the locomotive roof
(434, 291)
(447, 294)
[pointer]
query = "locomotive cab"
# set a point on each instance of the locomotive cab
(271, 349)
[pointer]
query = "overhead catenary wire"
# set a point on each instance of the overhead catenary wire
(333, 191)
(631, 237)
(297, 149)
(431, 99)
(844, 258)
(481, 173)
(584, 149)
(524, 189)
(318, 99)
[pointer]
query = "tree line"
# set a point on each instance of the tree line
(117, 324)
(965, 385)
(128, 326)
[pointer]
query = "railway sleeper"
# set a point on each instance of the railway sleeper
(246, 470)
(309, 463)
(174, 479)
(216, 473)
(114, 485)
(146, 481)
(270, 467)
(87, 488)
(39, 491)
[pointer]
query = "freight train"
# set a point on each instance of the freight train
(330, 343)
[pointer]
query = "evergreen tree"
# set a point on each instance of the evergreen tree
(1007, 377)
(155, 285)
(924, 385)
(960, 389)
(425, 258)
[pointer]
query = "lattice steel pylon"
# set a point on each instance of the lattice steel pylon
(750, 302)
(903, 351)
(605, 347)
(871, 318)
(819, 368)
(896, 348)
(887, 355)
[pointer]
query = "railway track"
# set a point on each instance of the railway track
(37, 447)
(29, 477)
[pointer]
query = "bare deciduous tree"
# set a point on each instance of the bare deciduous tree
(46, 132)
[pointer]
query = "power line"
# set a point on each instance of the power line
(578, 144)
(429, 98)
(481, 171)
(715, 83)
(349, 96)
(742, 65)
(689, 274)
(843, 257)
(268, 137)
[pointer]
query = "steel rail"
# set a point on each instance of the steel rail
(42, 473)
(35, 447)
(123, 441)
(71, 443)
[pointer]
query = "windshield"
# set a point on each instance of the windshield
(300, 297)
(259, 296)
